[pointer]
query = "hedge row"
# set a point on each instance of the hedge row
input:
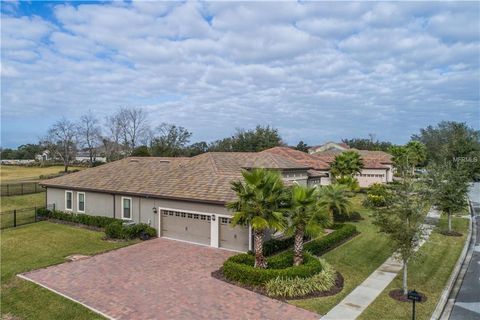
(240, 268)
(95, 221)
(330, 241)
(273, 246)
(116, 230)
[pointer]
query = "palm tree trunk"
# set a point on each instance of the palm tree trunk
(260, 261)
(405, 274)
(298, 245)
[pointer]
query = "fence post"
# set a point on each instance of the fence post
(14, 218)
(53, 206)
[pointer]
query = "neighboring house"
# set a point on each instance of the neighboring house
(44, 156)
(378, 165)
(183, 198)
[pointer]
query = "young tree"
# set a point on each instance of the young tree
(333, 198)
(450, 188)
(112, 138)
(346, 164)
(305, 218)
(141, 151)
(61, 140)
(89, 133)
(402, 222)
(259, 139)
(171, 142)
(259, 204)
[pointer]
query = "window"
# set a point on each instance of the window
(127, 208)
(68, 200)
(81, 202)
(224, 220)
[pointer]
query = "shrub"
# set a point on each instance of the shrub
(116, 230)
(343, 217)
(378, 195)
(298, 287)
(240, 268)
(95, 221)
(273, 246)
(324, 244)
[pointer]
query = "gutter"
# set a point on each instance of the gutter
(136, 194)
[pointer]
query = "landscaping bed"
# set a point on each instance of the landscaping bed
(282, 280)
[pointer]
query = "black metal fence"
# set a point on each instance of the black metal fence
(16, 189)
(18, 217)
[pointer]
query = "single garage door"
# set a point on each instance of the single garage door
(233, 238)
(186, 226)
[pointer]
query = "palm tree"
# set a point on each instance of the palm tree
(334, 199)
(260, 198)
(347, 163)
(305, 218)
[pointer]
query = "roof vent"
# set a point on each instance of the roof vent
(164, 161)
(133, 161)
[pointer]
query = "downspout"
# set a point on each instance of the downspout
(139, 210)
(113, 206)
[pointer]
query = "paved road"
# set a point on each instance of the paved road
(467, 304)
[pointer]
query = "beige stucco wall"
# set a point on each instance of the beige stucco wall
(101, 204)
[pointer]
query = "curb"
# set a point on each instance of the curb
(445, 303)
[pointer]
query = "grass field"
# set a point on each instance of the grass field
(428, 274)
(39, 245)
(13, 174)
(355, 260)
(19, 202)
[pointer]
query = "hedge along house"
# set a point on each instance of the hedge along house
(183, 198)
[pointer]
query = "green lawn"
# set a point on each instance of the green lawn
(19, 202)
(39, 245)
(428, 274)
(13, 174)
(355, 260)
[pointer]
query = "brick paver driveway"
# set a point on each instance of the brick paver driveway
(160, 279)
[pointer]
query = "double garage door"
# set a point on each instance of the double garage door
(196, 228)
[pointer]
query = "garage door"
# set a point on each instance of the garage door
(186, 226)
(233, 238)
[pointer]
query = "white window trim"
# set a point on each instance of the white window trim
(131, 209)
(84, 202)
(68, 209)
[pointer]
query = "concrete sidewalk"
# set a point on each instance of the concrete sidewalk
(362, 296)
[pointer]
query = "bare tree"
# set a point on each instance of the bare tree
(112, 137)
(61, 140)
(89, 135)
(134, 125)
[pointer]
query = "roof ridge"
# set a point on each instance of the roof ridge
(212, 162)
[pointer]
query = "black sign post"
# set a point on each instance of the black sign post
(414, 296)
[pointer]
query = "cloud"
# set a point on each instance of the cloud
(317, 71)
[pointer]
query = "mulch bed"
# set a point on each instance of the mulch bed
(218, 274)
(451, 233)
(398, 295)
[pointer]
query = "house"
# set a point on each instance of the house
(183, 198)
(44, 156)
(378, 165)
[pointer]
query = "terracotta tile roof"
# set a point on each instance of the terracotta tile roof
(204, 178)
(371, 159)
(300, 157)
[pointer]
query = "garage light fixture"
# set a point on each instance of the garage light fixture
(213, 217)
(154, 210)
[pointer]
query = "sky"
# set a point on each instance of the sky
(317, 71)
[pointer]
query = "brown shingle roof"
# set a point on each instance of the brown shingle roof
(299, 157)
(371, 159)
(204, 178)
